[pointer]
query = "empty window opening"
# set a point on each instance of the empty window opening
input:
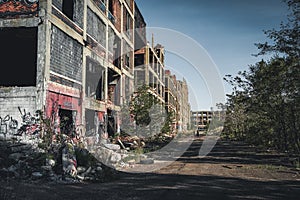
(113, 87)
(110, 6)
(68, 8)
(66, 121)
(18, 56)
(117, 52)
(111, 123)
(94, 79)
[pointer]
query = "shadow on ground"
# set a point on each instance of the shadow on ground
(158, 186)
(148, 186)
(235, 153)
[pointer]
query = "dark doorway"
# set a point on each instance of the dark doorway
(66, 122)
(18, 55)
(90, 122)
(111, 123)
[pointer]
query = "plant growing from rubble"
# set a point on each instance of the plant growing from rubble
(47, 132)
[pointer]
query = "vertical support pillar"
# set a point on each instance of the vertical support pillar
(84, 64)
(43, 53)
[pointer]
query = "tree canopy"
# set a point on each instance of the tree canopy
(264, 107)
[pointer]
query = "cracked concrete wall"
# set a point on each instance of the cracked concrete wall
(29, 98)
(12, 97)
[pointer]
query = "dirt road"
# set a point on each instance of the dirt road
(231, 171)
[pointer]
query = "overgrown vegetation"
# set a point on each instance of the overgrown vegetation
(264, 107)
(145, 114)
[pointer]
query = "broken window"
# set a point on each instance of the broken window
(114, 47)
(139, 77)
(127, 55)
(128, 21)
(138, 59)
(68, 8)
(94, 79)
(96, 27)
(18, 56)
(111, 11)
(114, 87)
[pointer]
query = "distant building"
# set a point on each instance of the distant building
(171, 101)
(201, 119)
(183, 108)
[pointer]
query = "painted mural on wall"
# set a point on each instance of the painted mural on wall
(13, 8)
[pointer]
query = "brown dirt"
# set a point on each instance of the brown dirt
(232, 170)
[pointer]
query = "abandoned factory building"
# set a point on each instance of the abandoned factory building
(69, 58)
(74, 60)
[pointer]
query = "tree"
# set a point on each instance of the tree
(144, 115)
(264, 106)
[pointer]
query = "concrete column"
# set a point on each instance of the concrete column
(43, 53)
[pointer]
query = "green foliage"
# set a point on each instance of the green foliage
(85, 158)
(168, 123)
(264, 107)
(144, 113)
(141, 105)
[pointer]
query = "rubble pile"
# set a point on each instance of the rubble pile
(28, 158)
(25, 160)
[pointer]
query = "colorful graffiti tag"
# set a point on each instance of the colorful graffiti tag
(18, 7)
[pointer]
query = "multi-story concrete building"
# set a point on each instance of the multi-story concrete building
(201, 119)
(149, 69)
(68, 58)
(184, 108)
(171, 100)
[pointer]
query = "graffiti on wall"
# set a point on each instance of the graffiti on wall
(18, 7)
(8, 125)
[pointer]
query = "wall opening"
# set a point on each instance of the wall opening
(113, 87)
(94, 79)
(18, 56)
(68, 8)
(111, 123)
(66, 118)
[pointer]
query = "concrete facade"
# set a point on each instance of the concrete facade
(82, 59)
(184, 107)
(171, 97)
(149, 69)
(79, 61)
(201, 119)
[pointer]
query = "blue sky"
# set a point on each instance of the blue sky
(226, 29)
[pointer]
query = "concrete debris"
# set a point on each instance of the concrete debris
(37, 174)
(147, 161)
(25, 158)
(50, 162)
(81, 169)
(114, 147)
(15, 156)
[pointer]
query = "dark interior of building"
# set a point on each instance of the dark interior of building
(18, 56)
(66, 121)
